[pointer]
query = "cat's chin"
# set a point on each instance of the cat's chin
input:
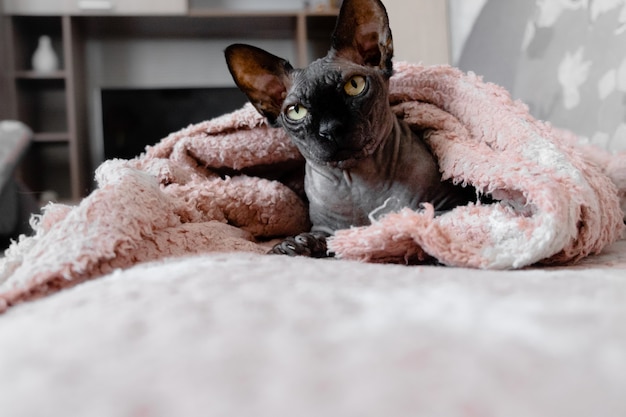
(347, 158)
(338, 160)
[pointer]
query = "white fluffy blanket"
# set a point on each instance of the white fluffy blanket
(230, 183)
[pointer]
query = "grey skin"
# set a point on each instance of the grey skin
(391, 169)
(361, 160)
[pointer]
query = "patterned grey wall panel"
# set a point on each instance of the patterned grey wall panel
(565, 59)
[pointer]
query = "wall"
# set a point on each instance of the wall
(462, 15)
(565, 60)
(158, 63)
(420, 30)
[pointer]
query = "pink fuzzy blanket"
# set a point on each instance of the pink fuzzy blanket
(231, 183)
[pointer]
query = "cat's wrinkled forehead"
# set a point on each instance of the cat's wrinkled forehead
(321, 70)
(325, 72)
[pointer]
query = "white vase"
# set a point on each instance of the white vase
(45, 59)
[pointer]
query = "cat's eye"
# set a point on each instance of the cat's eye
(355, 85)
(296, 112)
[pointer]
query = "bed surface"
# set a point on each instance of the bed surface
(243, 334)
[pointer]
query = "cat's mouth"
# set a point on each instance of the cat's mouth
(347, 157)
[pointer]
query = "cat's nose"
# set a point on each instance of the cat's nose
(330, 129)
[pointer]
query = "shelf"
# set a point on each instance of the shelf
(208, 23)
(49, 103)
(34, 75)
(26, 31)
(233, 13)
(325, 12)
(51, 137)
(41, 103)
(229, 13)
(55, 105)
(46, 167)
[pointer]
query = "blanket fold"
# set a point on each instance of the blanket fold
(556, 205)
(231, 182)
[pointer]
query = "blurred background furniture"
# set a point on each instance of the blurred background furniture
(16, 203)
(169, 52)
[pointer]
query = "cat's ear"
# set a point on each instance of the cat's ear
(263, 77)
(362, 34)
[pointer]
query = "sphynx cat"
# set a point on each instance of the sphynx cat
(361, 160)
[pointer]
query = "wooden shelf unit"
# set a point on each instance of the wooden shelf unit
(49, 104)
(34, 75)
(51, 137)
(54, 104)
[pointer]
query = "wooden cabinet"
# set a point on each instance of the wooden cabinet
(49, 103)
(35, 7)
(86, 7)
(56, 105)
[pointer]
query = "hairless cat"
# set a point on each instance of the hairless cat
(361, 160)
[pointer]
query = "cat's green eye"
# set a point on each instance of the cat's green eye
(296, 112)
(355, 85)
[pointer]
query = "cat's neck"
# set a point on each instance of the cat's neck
(401, 172)
(383, 161)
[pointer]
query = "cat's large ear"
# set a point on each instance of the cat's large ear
(362, 34)
(263, 77)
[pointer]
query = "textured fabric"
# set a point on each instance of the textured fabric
(557, 203)
(228, 183)
(265, 336)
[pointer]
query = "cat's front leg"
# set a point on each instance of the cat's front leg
(310, 244)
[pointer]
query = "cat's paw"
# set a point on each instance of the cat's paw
(311, 244)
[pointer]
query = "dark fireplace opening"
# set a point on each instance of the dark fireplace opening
(133, 118)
